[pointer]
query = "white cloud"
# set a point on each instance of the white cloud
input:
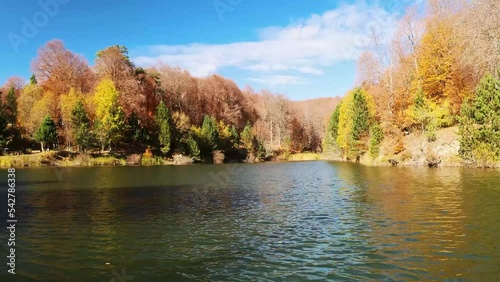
(303, 47)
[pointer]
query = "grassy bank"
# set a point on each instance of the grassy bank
(70, 159)
(305, 157)
(58, 159)
(66, 159)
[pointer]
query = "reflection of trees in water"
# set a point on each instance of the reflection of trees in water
(72, 227)
(416, 216)
(347, 218)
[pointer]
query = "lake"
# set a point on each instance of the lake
(321, 221)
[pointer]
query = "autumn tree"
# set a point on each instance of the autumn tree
(481, 31)
(34, 106)
(297, 139)
(67, 104)
(110, 120)
(30, 95)
(114, 63)
(445, 76)
(59, 70)
(436, 60)
(150, 86)
(383, 62)
(15, 82)
(221, 98)
(179, 90)
(180, 132)
(48, 105)
(276, 115)
(228, 136)
(46, 133)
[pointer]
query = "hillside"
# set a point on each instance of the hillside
(319, 109)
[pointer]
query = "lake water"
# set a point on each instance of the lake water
(320, 221)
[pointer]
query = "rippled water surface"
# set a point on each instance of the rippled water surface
(265, 222)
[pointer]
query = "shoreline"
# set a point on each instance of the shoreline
(54, 159)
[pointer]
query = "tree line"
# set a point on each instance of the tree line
(441, 69)
(116, 106)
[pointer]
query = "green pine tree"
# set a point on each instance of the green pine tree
(247, 137)
(235, 139)
(33, 80)
(46, 133)
(332, 132)
(376, 137)
(136, 132)
(163, 123)
(362, 119)
(11, 106)
(479, 125)
(194, 149)
(4, 132)
(210, 132)
(81, 125)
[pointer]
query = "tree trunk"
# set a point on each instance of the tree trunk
(272, 134)
(41, 143)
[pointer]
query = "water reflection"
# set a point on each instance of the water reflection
(276, 222)
(419, 223)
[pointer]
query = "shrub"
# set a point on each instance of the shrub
(376, 137)
(485, 156)
(480, 124)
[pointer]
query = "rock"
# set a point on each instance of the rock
(393, 162)
(182, 160)
(134, 159)
(218, 157)
(434, 163)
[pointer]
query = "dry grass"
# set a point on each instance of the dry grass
(33, 160)
(58, 159)
(305, 157)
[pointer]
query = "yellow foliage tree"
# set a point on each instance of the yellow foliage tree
(444, 75)
(67, 102)
(46, 106)
(110, 119)
(30, 95)
(345, 123)
(436, 60)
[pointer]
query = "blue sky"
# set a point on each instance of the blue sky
(302, 48)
